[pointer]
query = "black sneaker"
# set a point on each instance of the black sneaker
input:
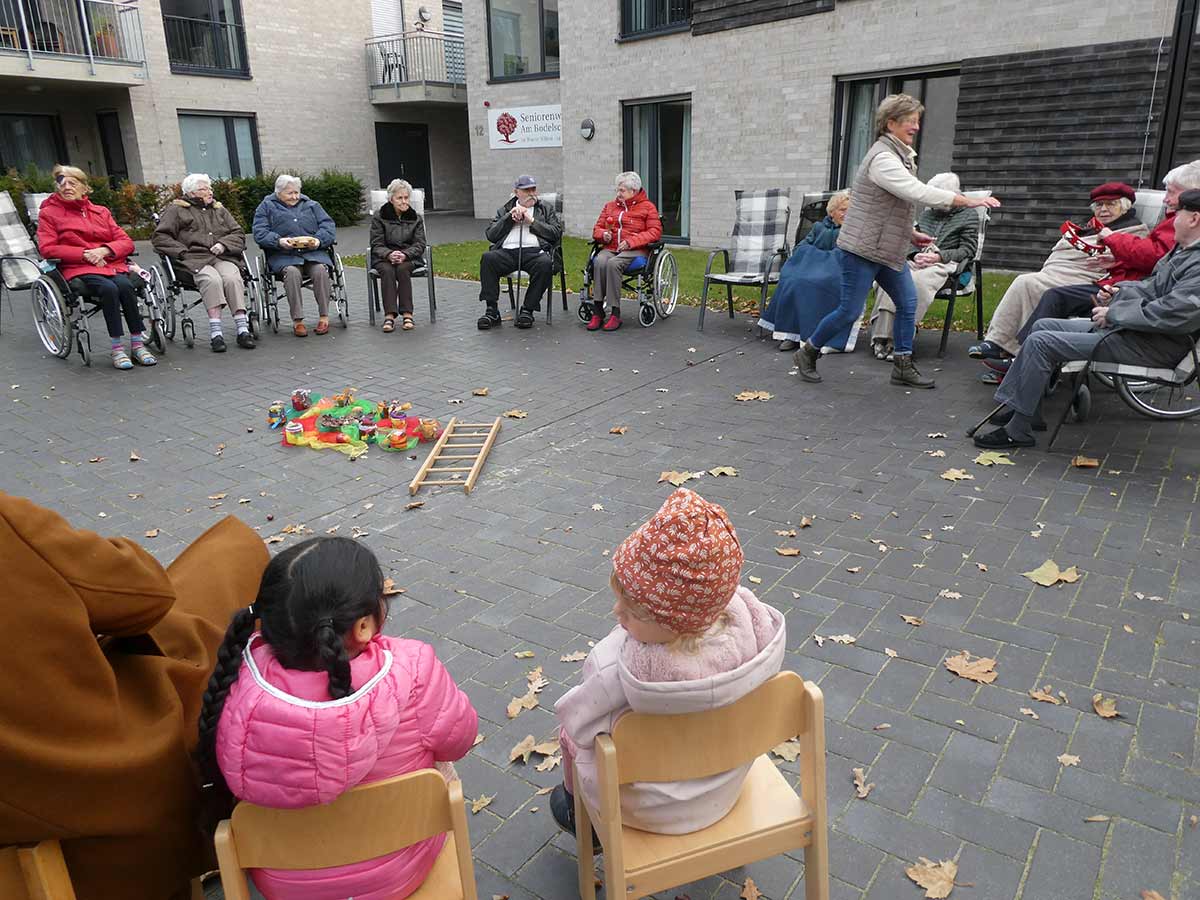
(1005, 416)
(218, 343)
(1000, 439)
(245, 340)
(562, 808)
(987, 350)
(489, 319)
(524, 318)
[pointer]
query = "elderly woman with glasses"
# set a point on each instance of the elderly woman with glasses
(92, 247)
(1112, 211)
(295, 233)
(201, 235)
(397, 247)
(628, 224)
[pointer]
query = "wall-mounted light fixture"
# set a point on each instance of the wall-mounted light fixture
(587, 129)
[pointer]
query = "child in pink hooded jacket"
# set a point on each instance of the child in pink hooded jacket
(320, 701)
(689, 638)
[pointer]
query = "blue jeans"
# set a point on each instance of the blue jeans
(857, 275)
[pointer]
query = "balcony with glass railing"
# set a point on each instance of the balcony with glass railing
(72, 40)
(417, 67)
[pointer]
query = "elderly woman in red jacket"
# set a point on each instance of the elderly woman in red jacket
(91, 246)
(627, 225)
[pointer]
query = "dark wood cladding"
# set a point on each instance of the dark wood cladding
(709, 16)
(1042, 129)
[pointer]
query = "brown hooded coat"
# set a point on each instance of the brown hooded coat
(106, 662)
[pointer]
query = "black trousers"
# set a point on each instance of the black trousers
(495, 264)
(116, 294)
(1060, 303)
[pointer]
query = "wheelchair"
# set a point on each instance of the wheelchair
(62, 309)
(271, 288)
(178, 311)
(654, 278)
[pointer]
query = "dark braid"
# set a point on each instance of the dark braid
(229, 663)
(332, 648)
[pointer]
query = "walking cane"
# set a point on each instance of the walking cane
(520, 244)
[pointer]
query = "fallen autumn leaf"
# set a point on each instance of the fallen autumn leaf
(1105, 707)
(481, 803)
(515, 414)
(860, 784)
(992, 458)
(1048, 574)
(522, 750)
(957, 475)
(981, 669)
(936, 878)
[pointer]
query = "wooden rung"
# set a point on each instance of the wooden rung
(458, 456)
(487, 425)
(451, 439)
(463, 446)
(458, 481)
(452, 469)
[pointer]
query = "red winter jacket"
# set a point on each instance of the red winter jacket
(636, 222)
(1136, 256)
(68, 227)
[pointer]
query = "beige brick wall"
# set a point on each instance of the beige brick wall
(762, 96)
(493, 171)
(307, 89)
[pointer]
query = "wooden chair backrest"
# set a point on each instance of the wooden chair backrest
(36, 872)
(364, 823)
(696, 745)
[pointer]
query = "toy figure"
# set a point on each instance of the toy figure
(345, 398)
(301, 399)
(429, 429)
(275, 416)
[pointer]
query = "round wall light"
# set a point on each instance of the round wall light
(587, 129)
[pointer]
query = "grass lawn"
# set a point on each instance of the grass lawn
(462, 261)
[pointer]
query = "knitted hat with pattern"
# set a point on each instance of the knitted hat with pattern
(683, 565)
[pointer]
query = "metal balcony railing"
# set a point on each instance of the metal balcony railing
(648, 16)
(205, 46)
(95, 30)
(416, 56)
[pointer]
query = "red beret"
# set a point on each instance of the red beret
(1113, 190)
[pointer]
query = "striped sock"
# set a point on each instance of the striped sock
(118, 343)
(136, 340)
(214, 328)
(242, 321)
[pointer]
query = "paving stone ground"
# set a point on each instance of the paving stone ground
(520, 565)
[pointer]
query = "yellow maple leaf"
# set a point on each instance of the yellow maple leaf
(993, 458)
(1048, 574)
(957, 475)
(980, 669)
(936, 878)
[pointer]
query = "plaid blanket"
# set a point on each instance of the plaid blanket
(760, 228)
(15, 242)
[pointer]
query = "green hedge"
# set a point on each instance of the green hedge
(134, 205)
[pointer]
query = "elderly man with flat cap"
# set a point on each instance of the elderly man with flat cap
(1083, 273)
(523, 236)
(1149, 322)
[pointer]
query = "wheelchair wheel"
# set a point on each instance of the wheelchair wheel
(51, 317)
(83, 342)
(666, 283)
(647, 314)
(584, 311)
(1160, 401)
(1081, 403)
(189, 333)
(1134, 384)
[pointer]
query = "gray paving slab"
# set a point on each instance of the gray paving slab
(522, 564)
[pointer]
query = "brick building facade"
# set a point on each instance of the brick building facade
(1038, 101)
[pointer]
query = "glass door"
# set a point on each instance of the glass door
(658, 146)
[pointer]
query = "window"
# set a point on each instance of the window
(523, 38)
(30, 141)
(1179, 141)
(658, 146)
(112, 145)
(640, 17)
(854, 124)
(220, 146)
(206, 37)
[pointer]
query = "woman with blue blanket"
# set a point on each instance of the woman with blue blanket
(810, 282)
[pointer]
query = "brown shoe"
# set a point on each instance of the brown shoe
(905, 374)
(322, 327)
(299, 330)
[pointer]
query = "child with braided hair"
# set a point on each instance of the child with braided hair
(320, 700)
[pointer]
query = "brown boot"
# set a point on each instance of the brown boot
(806, 361)
(905, 374)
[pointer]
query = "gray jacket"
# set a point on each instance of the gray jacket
(1159, 315)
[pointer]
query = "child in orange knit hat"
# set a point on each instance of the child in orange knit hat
(688, 638)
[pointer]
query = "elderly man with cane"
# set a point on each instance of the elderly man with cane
(523, 236)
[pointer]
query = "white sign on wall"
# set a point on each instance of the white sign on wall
(521, 127)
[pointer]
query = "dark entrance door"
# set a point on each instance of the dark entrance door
(404, 153)
(111, 144)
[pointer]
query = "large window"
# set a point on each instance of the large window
(523, 38)
(640, 17)
(206, 37)
(30, 141)
(221, 146)
(658, 146)
(854, 125)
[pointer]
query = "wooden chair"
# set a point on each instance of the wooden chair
(366, 822)
(768, 818)
(35, 872)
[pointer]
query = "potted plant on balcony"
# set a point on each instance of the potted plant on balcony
(104, 40)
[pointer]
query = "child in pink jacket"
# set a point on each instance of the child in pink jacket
(320, 700)
(689, 638)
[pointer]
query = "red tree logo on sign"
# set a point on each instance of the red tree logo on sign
(506, 125)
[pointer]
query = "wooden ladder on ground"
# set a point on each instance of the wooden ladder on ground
(464, 445)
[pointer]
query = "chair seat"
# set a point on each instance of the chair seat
(442, 882)
(1181, 374)
(741, 277)
(767, 804)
